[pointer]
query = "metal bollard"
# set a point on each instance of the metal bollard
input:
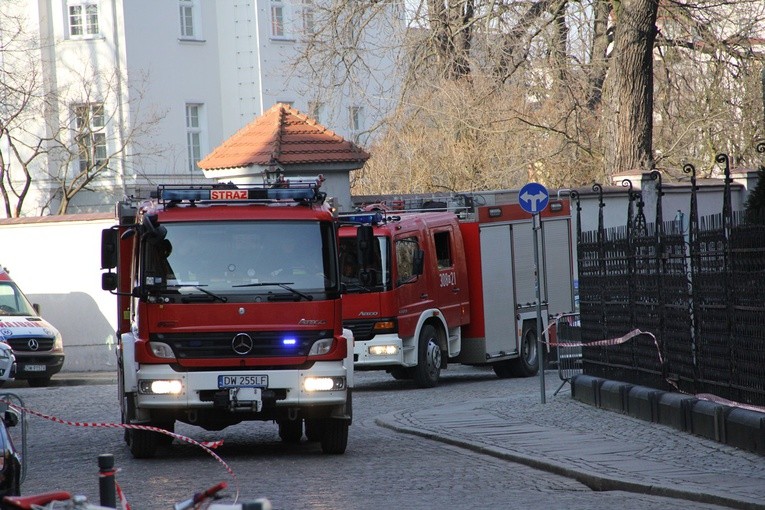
(106, 485)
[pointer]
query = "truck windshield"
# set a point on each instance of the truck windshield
(373, 278)
(13, 302)
(218, 261)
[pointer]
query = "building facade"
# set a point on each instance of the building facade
(140, 90)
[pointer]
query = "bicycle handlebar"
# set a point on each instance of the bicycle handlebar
(200, 496)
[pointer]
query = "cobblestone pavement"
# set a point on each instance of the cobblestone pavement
(603, 449)
(631, 464)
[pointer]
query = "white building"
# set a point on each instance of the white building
(168, 80)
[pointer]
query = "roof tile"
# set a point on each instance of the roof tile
(283, 136)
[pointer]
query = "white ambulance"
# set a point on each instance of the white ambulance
(36, 345)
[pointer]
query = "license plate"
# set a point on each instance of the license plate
(34, 368)
(243, 381)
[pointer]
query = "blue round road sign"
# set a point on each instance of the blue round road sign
(533, 198)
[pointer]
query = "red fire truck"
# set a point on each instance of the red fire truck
(453, 287)
(229, 310)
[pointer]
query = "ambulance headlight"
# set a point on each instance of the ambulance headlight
(323, 383)
(58, 342)
(161, 350)
(160, 387)
(322, 346)
(383, 350)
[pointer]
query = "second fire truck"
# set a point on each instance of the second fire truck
(442, 287)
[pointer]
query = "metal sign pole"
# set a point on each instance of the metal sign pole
(533, 198)
(536, 225)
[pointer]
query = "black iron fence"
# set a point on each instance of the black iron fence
(697, 288)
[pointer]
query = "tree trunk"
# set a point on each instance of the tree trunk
(628, 116)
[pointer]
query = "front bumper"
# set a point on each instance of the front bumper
(363, 356)
(38, 366)
(197, 387)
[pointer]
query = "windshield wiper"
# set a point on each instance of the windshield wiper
(212, 296)
(284, 285)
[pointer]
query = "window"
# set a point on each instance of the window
(194, 135)
(189, 18)
(316, 110)
(407, 254)
(277, 20)
(91, 139)
(443, 249)
(356, 120)
(308, 18)
(83, 19)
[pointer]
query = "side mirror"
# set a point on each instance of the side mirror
(36, 307)
(109, 281)
(109, 248)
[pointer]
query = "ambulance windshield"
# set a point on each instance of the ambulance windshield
(357, 278)
(214, 259)
(13, 302)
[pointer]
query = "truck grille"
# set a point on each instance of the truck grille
(21, 344)
(362, 330)
(260, 344)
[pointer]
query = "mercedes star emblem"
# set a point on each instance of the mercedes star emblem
(242, 344)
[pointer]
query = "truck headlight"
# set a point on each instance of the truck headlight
(322, 346)
(161, 350)
(383, 350)
(160, 387)
(323, 383)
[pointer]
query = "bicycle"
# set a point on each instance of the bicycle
(63, 500)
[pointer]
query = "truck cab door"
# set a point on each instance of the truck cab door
(412, 288)
(450, 284)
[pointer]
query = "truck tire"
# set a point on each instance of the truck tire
(527, 363)
(428, 369)
(334, 436)
(291, 431)
(313, 430)
(401, 373)
(143, 443)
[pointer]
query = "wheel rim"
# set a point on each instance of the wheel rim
(432, 359)
(530, 348)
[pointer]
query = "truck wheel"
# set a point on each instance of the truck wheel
(169, 426)
(313, 430)
(334, 436)
(428, 369)
(291, 431)
(142, 443)
(527, 363)
(401, 373)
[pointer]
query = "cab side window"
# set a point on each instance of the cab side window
(406, 252)
(442, 241)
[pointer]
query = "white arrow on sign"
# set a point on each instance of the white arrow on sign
(534, 199)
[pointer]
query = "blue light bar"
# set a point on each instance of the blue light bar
(184, 194)
(372, 218)
(290, 193)
(289, 341)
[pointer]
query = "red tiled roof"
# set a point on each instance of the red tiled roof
(283, 136)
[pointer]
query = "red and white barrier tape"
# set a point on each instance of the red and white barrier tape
(635, 333)
(207, 446)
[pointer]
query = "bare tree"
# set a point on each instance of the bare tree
(568, 91)
(58, 141)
